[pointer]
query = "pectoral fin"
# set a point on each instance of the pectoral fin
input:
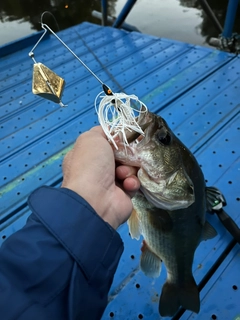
(134, 226)
(150, 263)
(208, 231)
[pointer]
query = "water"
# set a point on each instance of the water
(174, 19)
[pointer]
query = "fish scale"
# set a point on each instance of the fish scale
(166, 245)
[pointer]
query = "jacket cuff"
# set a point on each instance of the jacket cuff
(91, 242)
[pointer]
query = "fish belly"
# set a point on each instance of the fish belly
(173, 238)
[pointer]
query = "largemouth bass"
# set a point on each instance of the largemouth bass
(169, 211)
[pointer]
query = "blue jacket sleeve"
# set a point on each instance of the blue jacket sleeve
(61, 264)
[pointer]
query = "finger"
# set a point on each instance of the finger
(122, 172)
(93, 133)
(131, 184)
(99, 130)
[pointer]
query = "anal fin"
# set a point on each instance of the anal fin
(150, 263)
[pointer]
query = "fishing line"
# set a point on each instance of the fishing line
(99, 61)
(116, 111)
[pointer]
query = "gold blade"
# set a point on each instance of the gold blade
(46, 83)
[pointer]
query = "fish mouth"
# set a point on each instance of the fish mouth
(133, 137)
(126, 154)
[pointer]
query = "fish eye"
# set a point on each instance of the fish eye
(164, 137)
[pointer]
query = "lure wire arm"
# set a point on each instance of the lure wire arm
(49, 85)
(31, 53)
(46, 28)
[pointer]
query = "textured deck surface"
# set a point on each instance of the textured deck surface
(197, 91)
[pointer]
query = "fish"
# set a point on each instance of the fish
(169, 210)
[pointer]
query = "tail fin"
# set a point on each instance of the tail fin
(173, 297)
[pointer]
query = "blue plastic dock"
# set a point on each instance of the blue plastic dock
(197, 91)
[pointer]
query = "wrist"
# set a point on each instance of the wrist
(99, 201)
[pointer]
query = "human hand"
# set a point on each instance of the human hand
(89, 169)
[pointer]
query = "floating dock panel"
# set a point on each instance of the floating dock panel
(195, 89)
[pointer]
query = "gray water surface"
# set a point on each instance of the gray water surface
(182, 20)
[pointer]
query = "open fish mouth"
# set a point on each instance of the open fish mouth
(128, 154)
